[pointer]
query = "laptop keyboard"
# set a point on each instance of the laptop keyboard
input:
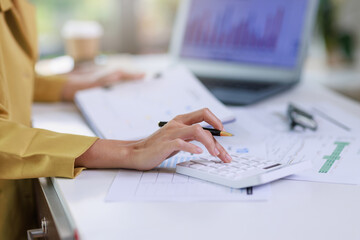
(250, 86)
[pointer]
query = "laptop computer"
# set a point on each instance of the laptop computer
(244, 50)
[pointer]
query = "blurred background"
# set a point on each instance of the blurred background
(130, 26)
(145, 27)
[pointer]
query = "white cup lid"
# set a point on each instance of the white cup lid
(82, 29)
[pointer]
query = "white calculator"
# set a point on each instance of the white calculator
(243, 171)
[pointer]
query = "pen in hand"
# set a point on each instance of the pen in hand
(214, 132)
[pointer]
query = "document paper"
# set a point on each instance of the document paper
(132, 110)
(163, 184)
(335, 159)
(334, 149)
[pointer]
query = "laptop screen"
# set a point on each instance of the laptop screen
(256, 32)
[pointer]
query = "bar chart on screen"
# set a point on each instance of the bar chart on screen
(232, 33)
(258, 31)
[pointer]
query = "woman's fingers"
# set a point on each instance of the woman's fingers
(129, 76)
(198, 116)
(175, 137)
(117, 76)
(196, 132)
(224, 156)
(181, 145)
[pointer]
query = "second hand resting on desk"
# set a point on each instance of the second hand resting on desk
(214, 132)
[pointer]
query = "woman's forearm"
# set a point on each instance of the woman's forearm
(107, 154)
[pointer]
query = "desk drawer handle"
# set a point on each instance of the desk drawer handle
(39, 232)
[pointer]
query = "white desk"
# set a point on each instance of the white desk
(296, 210)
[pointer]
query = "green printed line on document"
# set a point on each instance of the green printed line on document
(330, 160)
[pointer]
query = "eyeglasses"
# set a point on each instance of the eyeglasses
(298, 117)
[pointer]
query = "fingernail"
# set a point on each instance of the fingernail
(228, 157)
(216, 151)
(199, 150)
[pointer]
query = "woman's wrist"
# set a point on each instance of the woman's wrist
(107, 154)
(71, 87)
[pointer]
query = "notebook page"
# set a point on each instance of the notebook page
(133, 109)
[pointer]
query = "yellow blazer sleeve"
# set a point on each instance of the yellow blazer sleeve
(48, 88)
(31, 153)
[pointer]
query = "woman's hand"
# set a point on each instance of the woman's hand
(175, 136)
(81, 81)
(148, 153)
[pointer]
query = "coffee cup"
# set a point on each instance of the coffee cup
(82, 39)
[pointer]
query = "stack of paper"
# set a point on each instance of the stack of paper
(132, 110)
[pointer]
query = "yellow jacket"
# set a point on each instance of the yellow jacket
(26, 152)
